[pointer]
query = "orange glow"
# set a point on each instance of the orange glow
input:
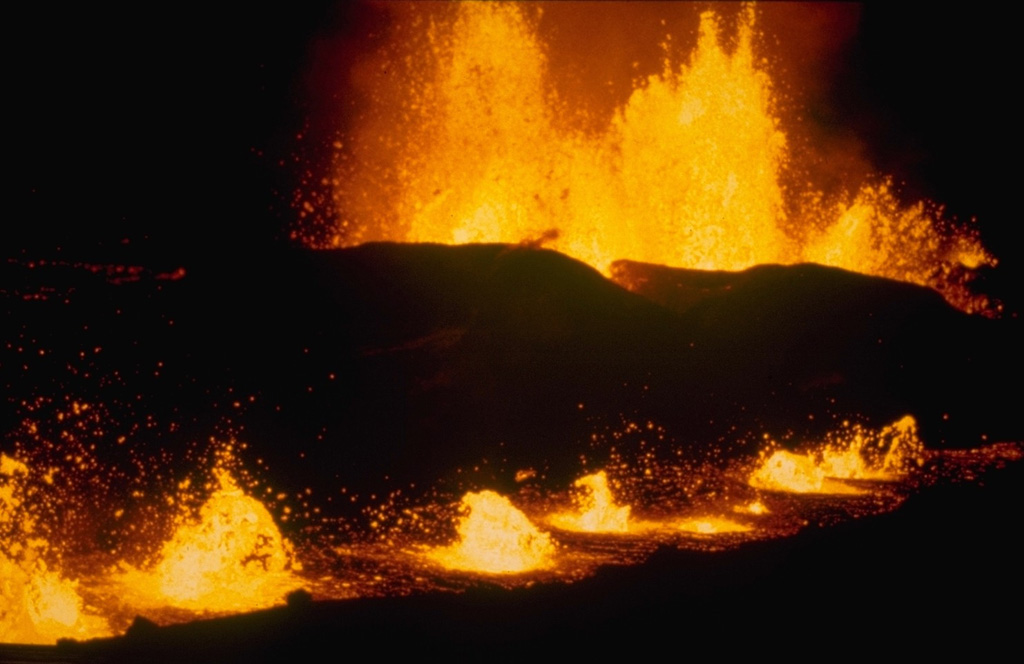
(231, 558)
(711, 525)
(228, 556)
(883, 455)
(795, 473)
(37, 604)
(596, 509)
(495, 537)
(468, 143)
(854, 453)
(874, 234)
(756, 507)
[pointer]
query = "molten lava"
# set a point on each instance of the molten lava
(37, 603)
(796, 473)
(468, 139)
(231, 558)
(596, 509)
(495, 537)
(467, 142)
(711, 525)
(756, 507)
(854, 453)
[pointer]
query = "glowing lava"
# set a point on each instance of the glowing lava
(596, 509)
(795, 473)
(711, 525)
(855, 453)
(495, 537)
(468, 143)
(756, 507)
(37, 604)
(231, 558)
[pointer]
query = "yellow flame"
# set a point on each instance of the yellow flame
(689, 172)
(495, 537)
(232, 558)
(596, 509)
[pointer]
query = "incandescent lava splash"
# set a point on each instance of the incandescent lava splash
(597, 511)
(38, 604)
(496, 538)
(229, 557)
(468, 141)
(854, 453)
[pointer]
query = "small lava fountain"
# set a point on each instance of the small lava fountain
(796, 473)
(230, 557)
(596, 509)
(37, 603)
(495, 537)
(853, 454)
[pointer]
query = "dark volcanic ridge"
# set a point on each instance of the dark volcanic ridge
(409, 361)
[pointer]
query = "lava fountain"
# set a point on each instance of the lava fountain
(496, 538)
(230, 557)
(469, 139)
(38, 604)
(853, 453)
(596, 509)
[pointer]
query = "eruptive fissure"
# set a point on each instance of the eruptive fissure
(426, 418)
(229, 555)
(468, 139)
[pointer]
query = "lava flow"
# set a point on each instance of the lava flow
(470, 140)
(711, 525)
